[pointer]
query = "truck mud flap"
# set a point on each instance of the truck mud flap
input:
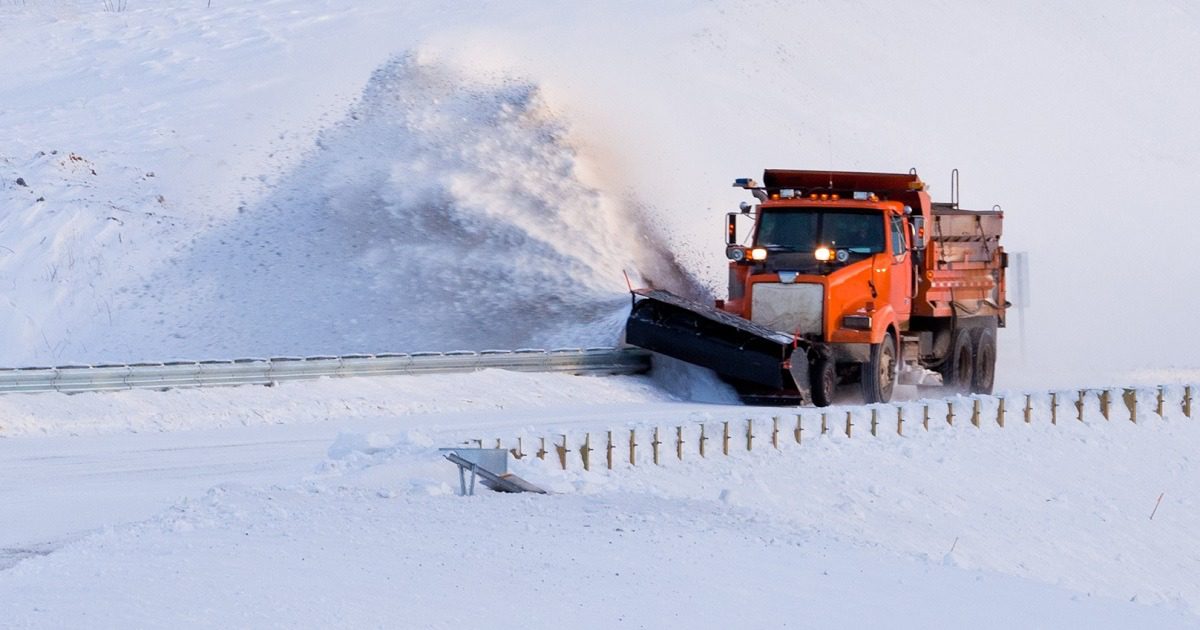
(733, 347)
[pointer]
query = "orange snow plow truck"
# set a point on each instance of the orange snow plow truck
(847, 278)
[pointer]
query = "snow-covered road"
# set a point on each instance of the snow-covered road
(290, 514)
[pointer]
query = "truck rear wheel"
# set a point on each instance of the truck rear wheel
(879, 374)
(824, 381)
(959, 367)
(985, 361)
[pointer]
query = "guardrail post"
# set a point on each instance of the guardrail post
(1160, 408)
(654, 445)
(1187, 401)
(1000, 413)
(799, 429)
(633, 447)
(1079, 403)
(562, 452)
(849, 422)
(1053, 407)
(725, 439)
(608, 451)
(679, 442)
(950, 412)
(541, 453)
(703, 439)
(925, 417)
(899, 420)
(749, 434)
(586, 451)
(1104, 402)
(1028, 409)
(975, 413)
(1130, 396)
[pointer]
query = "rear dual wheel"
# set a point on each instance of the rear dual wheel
(959, 367)
(971, 365)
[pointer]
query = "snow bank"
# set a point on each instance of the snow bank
(1037, 525)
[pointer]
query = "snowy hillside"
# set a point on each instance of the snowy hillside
(309, 177)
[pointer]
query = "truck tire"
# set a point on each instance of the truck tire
(824, 381)
(879, 374)
(959, 367)
(985, 361)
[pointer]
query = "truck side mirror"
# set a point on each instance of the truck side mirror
(918, 241)
(731, 228)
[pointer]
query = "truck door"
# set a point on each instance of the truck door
(900, 279)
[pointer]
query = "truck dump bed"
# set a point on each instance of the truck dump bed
(964, 266)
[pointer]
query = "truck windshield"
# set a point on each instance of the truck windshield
(806, 229)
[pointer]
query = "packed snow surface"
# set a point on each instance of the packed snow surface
(230, 178)
(332, 507)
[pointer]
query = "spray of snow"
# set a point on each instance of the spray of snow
(444, 212)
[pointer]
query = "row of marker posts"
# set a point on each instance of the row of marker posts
(615, 445)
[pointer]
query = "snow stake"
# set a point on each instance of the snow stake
(1028, 409)
(1187, 401)
(824, 424)
(562, 452)
(950, 412)
(1156, 504)
(585, 451)
(1159, 408)
(1053, 407)
(1079, 403)
(925, 417)
(1104, 403)
(799, 429)
(775, 432)
(849, 423)
(679, 442)
(725, 439)
(541, 454)
(1000, 414)
(608, 451)
(654, 446)
(632, 448)
(874, 422)
(703, 439)
(1130, 397)
(975, 413)
(899, 420)
(749, 434)
(517, 453)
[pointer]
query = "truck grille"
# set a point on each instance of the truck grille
(789, 307)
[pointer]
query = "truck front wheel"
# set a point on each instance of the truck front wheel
(879, 374)
(824, 381)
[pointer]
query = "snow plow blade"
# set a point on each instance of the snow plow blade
(735, 348)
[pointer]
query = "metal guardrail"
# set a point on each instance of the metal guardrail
(93, 378)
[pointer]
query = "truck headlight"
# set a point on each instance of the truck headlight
(857, 322)
(758, 253)
(823, 254)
